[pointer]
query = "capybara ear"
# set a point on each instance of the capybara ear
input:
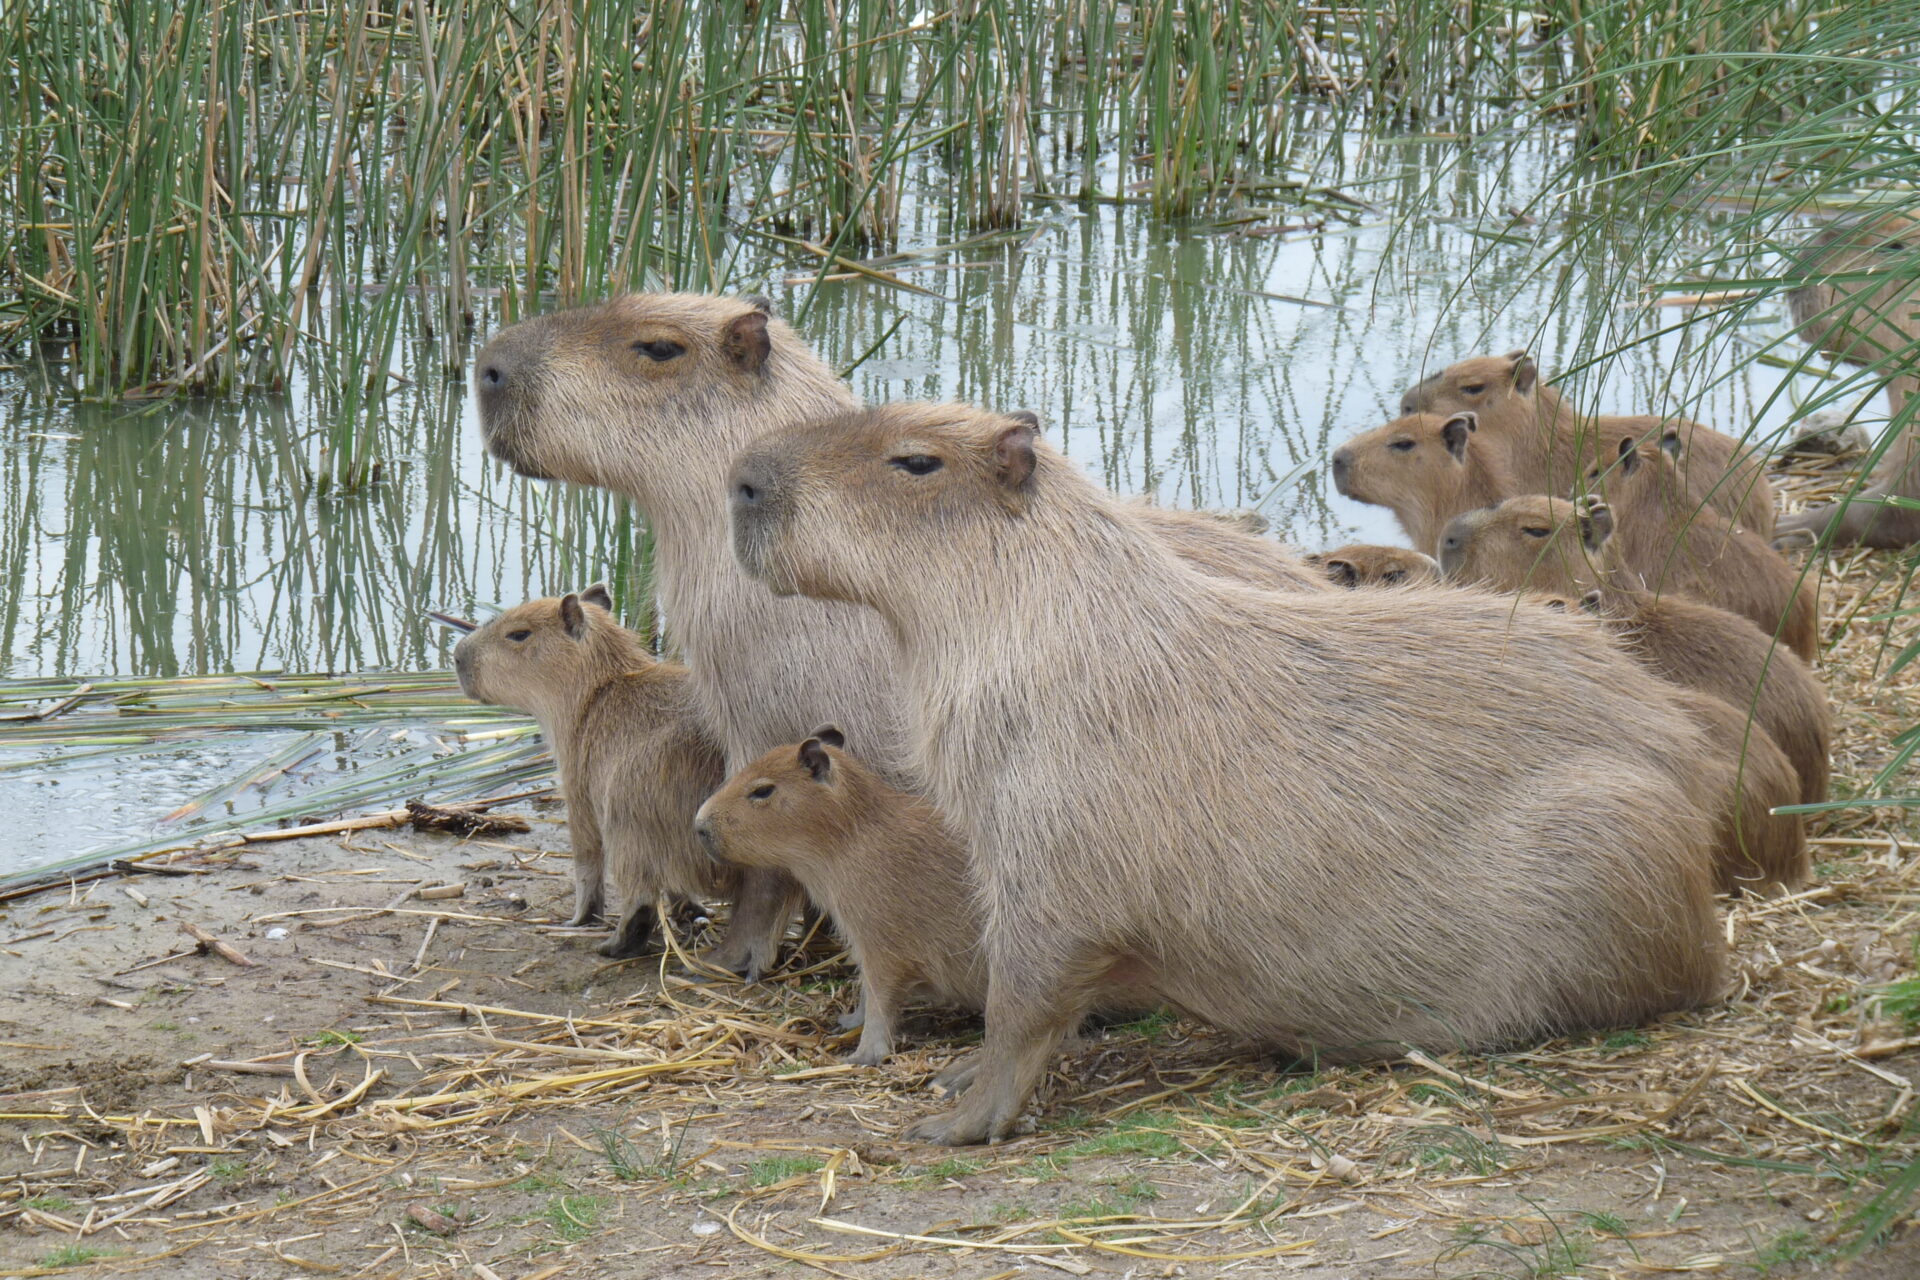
(1027, 416)
(1670, 444)
(1555, 603)
(1013, 459)
(831, 735)
(1343, 573)
(572, 616)
(1454, 432)
(1591, 601)
(814, 756)
(1525, 371)
(1629, 458)
(746, 342)
(759, 302)
(1596, 524)
(598, 595)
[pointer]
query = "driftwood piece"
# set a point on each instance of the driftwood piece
(462, 821)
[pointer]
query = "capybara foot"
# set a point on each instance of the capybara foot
(742, 957)
(869, 1055)
(584, 914)
(974, 1121)
(633, 936)
(958, 1076)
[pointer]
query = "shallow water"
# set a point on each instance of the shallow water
(1206, 365)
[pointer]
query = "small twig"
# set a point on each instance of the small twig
(210, 943)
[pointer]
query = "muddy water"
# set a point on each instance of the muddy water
(1214, 365)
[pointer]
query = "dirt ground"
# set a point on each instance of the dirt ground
(457, 1086)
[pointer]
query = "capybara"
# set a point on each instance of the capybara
(1550, 445)
(652, 395)
(1338, 824)
(1362, 564)
(1758, 850)
(1871, 319)
(1531, 544)
(1672, 545)
(1426, 469)
(877, 859)
(634, 761)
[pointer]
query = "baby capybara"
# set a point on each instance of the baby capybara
(1362, 564)
(1547, 444)
(1139, 756)
(1424, 468)
(1547, 544)
(634, 762)
(876, 859)
(1673, 545)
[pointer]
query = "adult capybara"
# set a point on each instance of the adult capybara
(1861, 303)
(634, 761)
(1426, 469)
(1673, 546)
(652, 395)
(1339, 824)
(877, 859)
(1550, 545)
(1550, 445)
(1362, 564)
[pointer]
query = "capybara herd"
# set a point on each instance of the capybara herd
(1040, 751)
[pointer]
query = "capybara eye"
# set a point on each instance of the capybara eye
(761, 792)
(1533, 531)
(661, 350)
(517, 636)
(1401, 446)
(918, 464)
(1473, 388)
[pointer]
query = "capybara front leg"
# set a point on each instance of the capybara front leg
(634, 933)
(881, 995)
(589, 868)
(761, 912)
(1023, 1034)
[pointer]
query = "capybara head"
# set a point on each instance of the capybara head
(562, 396)
(545, 652)
(791, 799)
(840, 508)
(1479, 384)
(1874, 314)
(1410, 462)
(1366, 565)
(1530, 543)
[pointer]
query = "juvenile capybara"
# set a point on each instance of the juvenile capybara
(1424, 467)
(1758, 851)
(634, 761)
(1861, 302)
(877, 859)
(1361, 564)
(1550, 545)
(652, 395)
(1549, 444)
(1339, 824)
(1673, 546)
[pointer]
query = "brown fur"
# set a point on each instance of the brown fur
(1758, 851)
(877, 859)
(1141, 757)
(1427, 468)
(1360, 564)
(1686, 641)
(572, 396)
(1672, 546)
(1549, 445)
(634, 762)
(1876, 325)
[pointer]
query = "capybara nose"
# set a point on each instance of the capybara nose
(703, 832)
(1342, 462)
(1453, 546)
(753, 479)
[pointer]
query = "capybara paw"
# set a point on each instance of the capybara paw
(852, 1020)
(619, 947)
(965, 1126)
(868, 1055)
(585, 914)
(739, 959)
(955, 1079)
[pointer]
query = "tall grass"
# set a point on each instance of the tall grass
(219, 195)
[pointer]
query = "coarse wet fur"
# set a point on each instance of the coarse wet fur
(1686, 641)
(1872, 320)
(1361, 564)
(652, 395)
(1425, 467)
(634, 760)
(877, 859)
(1334, 824)
(1549, 445)
(1670, 545)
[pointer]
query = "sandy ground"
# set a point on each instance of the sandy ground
(457, 1086)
